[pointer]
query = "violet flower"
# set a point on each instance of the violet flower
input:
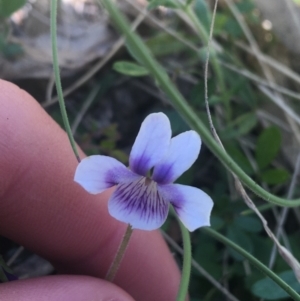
(142, 200)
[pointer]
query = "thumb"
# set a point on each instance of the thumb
(62, 288)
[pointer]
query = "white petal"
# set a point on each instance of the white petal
(151, 143)
(183, 152)
(98, 173)
(192, 205)
(139, 204)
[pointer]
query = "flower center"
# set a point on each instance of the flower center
(148, 181)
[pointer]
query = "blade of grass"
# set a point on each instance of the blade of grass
(57, 78)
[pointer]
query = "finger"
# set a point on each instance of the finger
(62, 288)
(43, 209)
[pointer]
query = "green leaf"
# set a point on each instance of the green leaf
(129, 68)
(196, 96)
(163, 44)
(233, 28)
(262, 249)
(120, 155)
(241, 238)
(240, 126)
(269, 290)
(188, 2)
(208, 248)
(246, 123)
(203, 13)
(220, 22)
(248, 223)
(268, 145)
(240, 88)
(235, 152)
(245, 6)
(8, 7)
(167, 3)
(275, 176)
(107, 145)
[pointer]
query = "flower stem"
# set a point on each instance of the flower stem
(119, 255)
(62, 106)
(187, 262)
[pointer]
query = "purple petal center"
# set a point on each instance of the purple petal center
(140, 165)
(142, 196)
(139, 203)
(163, 174)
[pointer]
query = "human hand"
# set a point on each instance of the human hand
(43, 209)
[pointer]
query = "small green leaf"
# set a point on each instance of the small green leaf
(207, 248)
(167, 3)
(246, 123)
(203, 13)
(233, 28)
(240, 126)
(275, 176)
(220, 22)
(246, 6)
(268, 145)
(188, 2)
(241, 238)
(120, 155)
(196, 96)
(240, 88)
(163, 44)
(214, 100)
(107, 145)
(129, 68)
(8, 7)
(235, 152)
(262, 249)
(248, 223)
(267, 289)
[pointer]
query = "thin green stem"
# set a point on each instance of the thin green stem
(119, 255)
(204, 35)
(142, 54)
(261, 208)
(264, 269)
(62, 106)
(205, 38)
(187, 262)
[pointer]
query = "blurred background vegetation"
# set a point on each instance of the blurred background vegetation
(253, 87)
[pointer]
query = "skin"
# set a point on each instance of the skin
(43, 209)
